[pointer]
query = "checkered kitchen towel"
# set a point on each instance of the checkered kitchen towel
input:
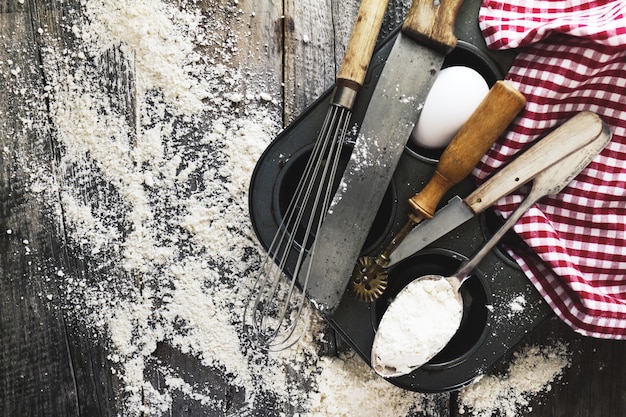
(572, 57)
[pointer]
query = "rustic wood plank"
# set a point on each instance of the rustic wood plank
(259, 44)
(94, 389)
(227, 399)
(35, 364)
(590, 386)
(309, 55)
(252, 30)
(99, 391)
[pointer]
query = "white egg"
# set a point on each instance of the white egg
(455, 94)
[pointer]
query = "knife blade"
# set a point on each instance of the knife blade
(574, 136)
(416, 56)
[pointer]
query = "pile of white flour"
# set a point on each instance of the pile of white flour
(418, 324)
(152, 175)
(532, 371)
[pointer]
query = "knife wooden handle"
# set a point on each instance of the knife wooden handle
(485, 125)
(361, 44)
(431, 22)
(570, 137)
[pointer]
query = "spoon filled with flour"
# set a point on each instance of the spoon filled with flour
(426, 314)
(416, 326)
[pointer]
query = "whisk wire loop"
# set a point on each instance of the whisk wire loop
(274, 308)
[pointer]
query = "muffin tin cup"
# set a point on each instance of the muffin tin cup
(285, 186)
(475, 293)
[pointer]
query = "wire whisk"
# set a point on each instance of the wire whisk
(275, 312)
(274, 308)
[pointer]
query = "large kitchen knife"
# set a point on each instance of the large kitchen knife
(417, 55)
(577, 135)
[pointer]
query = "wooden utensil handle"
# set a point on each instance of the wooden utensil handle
(570, 137)
(485, 125)
(361, 44)
(431, 22)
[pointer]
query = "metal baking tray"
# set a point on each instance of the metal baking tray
(490, 327)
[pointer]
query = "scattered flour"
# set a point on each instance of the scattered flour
(419, 322)
(346, 384)
(531, 372)
(158, 123)
(517, 304)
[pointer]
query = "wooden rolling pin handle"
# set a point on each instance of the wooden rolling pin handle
(482, 129)
(431, 22)
(361, 44)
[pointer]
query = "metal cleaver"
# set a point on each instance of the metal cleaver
(579, 134)
(417, 55)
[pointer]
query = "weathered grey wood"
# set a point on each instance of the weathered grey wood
(72, 365)
(36, 375)
(255, 31)
(309, 54)
(591, 386)
(228, 399)
(314, 49)
(594, 383)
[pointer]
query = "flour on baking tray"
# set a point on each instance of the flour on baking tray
(154, 165)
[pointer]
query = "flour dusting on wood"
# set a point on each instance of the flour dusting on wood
(531, 373)
(158, 133)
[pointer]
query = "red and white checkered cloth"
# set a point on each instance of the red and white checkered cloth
(572, 57)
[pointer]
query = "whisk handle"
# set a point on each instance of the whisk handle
(485, 125)
(361, 43)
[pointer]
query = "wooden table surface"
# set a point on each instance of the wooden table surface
(51, 365)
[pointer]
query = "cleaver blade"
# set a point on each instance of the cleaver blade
(572, 136)
(417, 55)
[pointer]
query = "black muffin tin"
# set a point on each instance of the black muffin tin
(490, 327)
